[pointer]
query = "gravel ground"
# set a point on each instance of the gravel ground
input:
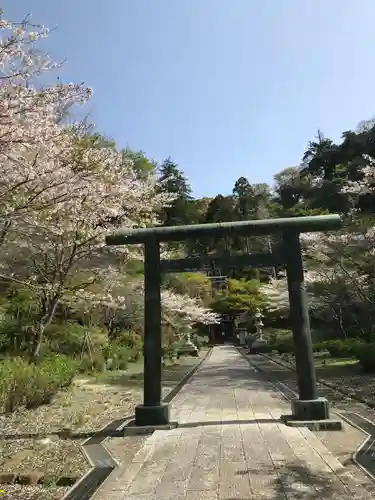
(16, 491)
(29, 442)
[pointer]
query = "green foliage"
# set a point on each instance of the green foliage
(118, 354)
(92, 364)
(192, 284)
(281, 341)
(132, 342)
(365, 353)
(69, 338)
(21, 310)
(21, 304)
(30, 385)
(239, 296)
(199, 341)
(338, 348)
(170, 352)
(14, 336)
(134, 267)
(141, 164)
(284, 345)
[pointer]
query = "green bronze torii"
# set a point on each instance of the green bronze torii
(309, 406)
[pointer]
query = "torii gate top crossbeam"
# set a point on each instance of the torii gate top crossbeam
(305, 224)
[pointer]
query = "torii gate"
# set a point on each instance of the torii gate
(308, 407)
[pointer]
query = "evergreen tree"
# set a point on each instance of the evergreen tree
(172, 180)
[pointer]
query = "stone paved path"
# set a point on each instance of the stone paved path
(231, 445)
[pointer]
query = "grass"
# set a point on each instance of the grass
(335, 362)
(323, 360)
(171, 373)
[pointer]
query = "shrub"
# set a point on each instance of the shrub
(170, 352)
(15, 376)
(283, 343)
(365, 353)
(68, 338)
(30, 385)
(119, 355)
(134, 354)
(92, 363)
(337, 348)
(132, 341)
(319, 347)
(50, 376)
(199, 341)
(13, 336)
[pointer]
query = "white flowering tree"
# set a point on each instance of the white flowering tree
(30, 135)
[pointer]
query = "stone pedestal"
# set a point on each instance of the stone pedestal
(313, 409)
(312, 413)
(152, 415)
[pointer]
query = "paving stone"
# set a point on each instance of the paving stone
(182, 461)
(234, 481)
(202, 495)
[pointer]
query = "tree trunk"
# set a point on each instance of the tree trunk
(5, 230)
(40, 329)
(38, 332)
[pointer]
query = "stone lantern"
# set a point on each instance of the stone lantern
(260, 344)
(258, 316)
(188, 347)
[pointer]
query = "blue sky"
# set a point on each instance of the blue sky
(227, 89)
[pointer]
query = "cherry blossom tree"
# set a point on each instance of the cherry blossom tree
(190, 310)
(30, 134)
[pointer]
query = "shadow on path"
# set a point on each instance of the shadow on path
(296, 481)
(229, 422)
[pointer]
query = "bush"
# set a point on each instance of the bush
(365, 353)
(283, 343)
(31, 385)
(132, 341)
(50, 376)
(119, 356)
(14, 337)
(68, 338)
(15, 376)
(284, 346)
(170, 352)
(338, 348)
(92, 363)
(199, 341)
